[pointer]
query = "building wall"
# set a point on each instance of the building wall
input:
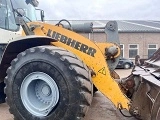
(141, 39)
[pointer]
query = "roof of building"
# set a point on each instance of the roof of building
(123, 25)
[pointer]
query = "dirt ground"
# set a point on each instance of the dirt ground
(101, 108)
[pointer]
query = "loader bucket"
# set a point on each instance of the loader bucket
(145, 100)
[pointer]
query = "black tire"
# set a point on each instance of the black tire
(127, 66)
(70, 74)
(2, 95)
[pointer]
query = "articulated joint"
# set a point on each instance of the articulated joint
(111, 52)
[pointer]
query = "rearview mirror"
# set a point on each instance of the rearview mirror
(35, 3)
(42, 15)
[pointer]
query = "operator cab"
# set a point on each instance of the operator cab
(8, 12)
(7, 20)
(27, 6)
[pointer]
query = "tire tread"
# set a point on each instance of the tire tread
(72, 61)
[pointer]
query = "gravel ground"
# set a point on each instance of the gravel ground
(101, 108)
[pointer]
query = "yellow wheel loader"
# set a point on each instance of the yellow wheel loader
(49, 72)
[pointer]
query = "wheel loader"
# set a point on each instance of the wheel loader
(49, 72)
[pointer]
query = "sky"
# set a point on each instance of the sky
(101, 9)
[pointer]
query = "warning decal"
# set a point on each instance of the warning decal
(102, 71)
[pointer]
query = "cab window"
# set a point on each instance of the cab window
(7, 20)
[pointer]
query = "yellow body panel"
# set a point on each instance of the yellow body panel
(102, 47)
(102, 79)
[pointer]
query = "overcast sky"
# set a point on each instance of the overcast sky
(101, 9)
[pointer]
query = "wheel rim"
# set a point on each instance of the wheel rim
(126, 66)
(39, 93)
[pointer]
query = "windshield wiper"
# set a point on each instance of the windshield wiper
(18, 12)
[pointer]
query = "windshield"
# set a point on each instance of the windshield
(27, 7)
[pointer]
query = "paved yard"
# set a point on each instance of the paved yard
(101, 108)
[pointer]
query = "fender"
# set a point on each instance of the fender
(18, 45)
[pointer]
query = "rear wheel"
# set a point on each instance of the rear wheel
(48, 83)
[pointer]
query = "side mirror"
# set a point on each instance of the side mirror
(35, 3)
(42, 16)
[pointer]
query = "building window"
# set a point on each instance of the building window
(122, 50)
(133, 50)
(151, 49)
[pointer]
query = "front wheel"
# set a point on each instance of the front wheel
(48, 83)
